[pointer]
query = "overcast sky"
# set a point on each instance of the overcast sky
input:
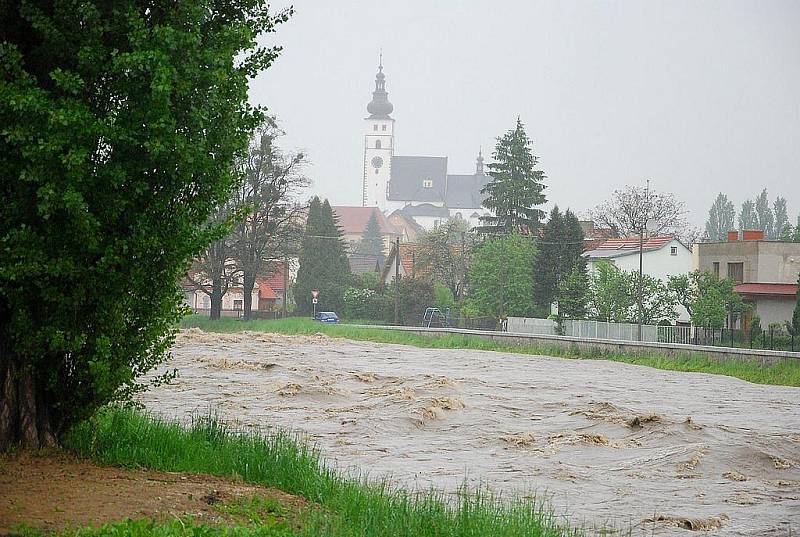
(700, 97)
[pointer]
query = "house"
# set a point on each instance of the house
(409, 229)
(363, 263)
(409, 263)
(764, 272)
(594, 236)
(662, 256)
(353, 222)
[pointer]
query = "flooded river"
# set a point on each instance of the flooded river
(610, 444)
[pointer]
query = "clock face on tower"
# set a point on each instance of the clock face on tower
(377, 162)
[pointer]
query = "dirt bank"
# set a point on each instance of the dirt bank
(611, 444)
(55, 493)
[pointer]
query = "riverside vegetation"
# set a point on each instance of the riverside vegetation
(784, 373)
(338, 505)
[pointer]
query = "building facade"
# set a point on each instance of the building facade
(765, 272)
(417, 185)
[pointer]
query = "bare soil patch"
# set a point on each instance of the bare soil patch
(59, 492)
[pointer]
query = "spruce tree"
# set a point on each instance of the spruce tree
(560, 249)
(323, 261)
(372, 240)
(795, 323)
(516, 189)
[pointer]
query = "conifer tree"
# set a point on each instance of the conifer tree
(323, 261)
(560, 249)
(516, 189)
(372, 240)
(573, 294)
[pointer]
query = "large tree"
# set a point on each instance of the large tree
(765, 220)
(323, 261)
(708, 299)
(371, 242)
(634, 210)
(560, 249)
(120, 125)
(516, 190)
(444, 254)
(267, 197)
(782, 225)
(573, 294)
(501, 278)
(612, 295)
(747, 216)
(721, 219)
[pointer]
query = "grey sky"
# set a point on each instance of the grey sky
(700, 97)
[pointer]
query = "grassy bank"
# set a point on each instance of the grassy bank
(343, 506)
(786, 373)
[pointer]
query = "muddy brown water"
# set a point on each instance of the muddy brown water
(610, 445)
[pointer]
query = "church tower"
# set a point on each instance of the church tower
(378, 146)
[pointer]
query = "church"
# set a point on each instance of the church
(414, 187)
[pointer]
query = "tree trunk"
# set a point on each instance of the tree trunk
(25, 419)
(249, 281)
(216, 298)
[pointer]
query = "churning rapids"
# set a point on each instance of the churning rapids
(609, 444)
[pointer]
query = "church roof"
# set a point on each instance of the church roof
(464, 191)
(409, 176)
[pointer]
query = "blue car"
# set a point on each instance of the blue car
(326, 317)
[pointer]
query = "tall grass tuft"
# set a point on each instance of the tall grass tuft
(348, 507)
(784, 373)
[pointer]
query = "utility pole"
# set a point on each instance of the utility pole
(642, 228)
(397, 281)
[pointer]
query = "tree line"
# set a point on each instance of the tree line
(758, 214)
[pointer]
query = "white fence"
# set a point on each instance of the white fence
(601, 330)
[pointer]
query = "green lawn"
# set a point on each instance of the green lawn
(344, 507)
(785, 373)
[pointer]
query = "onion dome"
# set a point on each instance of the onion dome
(380, 107)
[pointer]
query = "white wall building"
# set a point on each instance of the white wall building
(394, 182)
(663, 256)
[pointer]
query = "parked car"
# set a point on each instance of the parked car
(326, 317)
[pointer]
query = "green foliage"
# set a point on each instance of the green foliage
(173, 528)
(612, 294)
(372, 240)
(516, 189)
(348, 506)
(573, 294)
(367, 304)
(323, 261)
(747, 216)
(560, 250)
(765, 220)
(501, 277)
(120, 125)
(416, 295)
(721, 219)
(708, 299)
(443, 297)
(793, 326)
(444, 254)
(658, 300)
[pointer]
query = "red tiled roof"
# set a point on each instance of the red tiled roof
(776, 289)
(265, 292)
(353, 220)
(625, 243)
(275, 280)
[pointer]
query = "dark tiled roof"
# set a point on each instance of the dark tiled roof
(361, 264)
(464, 191)
(425, 209)
(408, 174)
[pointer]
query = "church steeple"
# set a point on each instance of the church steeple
(479, 163)
(380, 107)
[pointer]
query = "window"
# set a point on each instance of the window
(206, 303)
(237, 304)
(377, 144)
(736, 272)
(383, 127)
(427, 183)
(375, 127)
(716, 269)
(673, 250)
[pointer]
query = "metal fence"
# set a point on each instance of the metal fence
(772, 338)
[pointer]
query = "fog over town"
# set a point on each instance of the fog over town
(700, 97)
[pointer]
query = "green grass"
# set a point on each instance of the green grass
(784, 373)
(344, 506)
(174, 528)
